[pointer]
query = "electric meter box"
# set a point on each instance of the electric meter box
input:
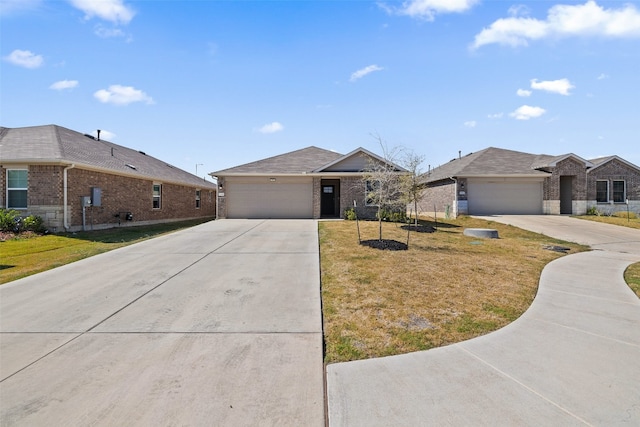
(96, 196)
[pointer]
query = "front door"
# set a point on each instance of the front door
(328, 200)
(566, 195)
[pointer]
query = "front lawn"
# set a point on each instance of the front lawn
(632, 277)
(619, 219)
(445, 288)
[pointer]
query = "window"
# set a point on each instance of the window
(602, 191)
(197, 199)
(371, 189)
(618, 192)
(157, 196)
(17, 188)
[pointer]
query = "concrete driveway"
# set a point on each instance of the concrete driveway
(219, 324)
(570, 360)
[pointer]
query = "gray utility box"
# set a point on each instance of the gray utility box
(96, 196)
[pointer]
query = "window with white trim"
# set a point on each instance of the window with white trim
(602, 191)
(197, 199)
(618, 191)
(17, 183)
(157, 196)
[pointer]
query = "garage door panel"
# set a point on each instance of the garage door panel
(280, 199)
(486, 197)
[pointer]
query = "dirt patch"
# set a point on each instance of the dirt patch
(385, 244)
(419, 229)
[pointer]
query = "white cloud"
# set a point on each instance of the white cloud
(107, 33)
(470, 124)
(587, 19)
(603, 76)
(519, 10)
(523, 92)
(9, 7)
(24, 58)
(271, 128)
(122, 95)
(109, 10)
(527, 112)
(428, 9)
(64, 84)
(495, 115)
(561, 86)
(364, 71)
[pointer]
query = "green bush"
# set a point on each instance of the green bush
(593, 211)
(33, 223)
(393, 216)
(350, 214)
(8, 219)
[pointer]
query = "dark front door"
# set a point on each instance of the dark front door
(566, 195)
(328, 200)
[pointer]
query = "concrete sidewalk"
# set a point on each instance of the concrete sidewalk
(571, 359)
(219, 324)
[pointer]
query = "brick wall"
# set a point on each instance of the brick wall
(610, 171)
(119, 194)
(353, 188)
(439, 197)
(122, 194)
(567, 167)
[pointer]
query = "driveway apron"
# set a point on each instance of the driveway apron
(571, 359)
(219, 324)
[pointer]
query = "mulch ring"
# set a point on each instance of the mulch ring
(384, 244)
(419, 229)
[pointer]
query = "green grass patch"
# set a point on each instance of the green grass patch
(632, 277)
(619, 218)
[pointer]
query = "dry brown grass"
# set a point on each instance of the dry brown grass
(446, 288)
(619, 219)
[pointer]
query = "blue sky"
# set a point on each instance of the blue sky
(221, 83)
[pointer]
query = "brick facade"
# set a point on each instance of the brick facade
(615, 170)
(120, 194)
(440, 199)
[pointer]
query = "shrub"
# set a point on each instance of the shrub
(593, 211)
(9, 220)
(393, 216)
(33, 223)
(350, 214)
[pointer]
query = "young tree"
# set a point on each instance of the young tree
(410, 183)
(382, 182)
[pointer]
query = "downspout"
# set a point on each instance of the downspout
(455, 195)
(64, 192)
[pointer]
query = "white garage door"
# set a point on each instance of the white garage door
(262, 198)
(504, 197)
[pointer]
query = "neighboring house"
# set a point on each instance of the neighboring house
(307, 183)
(75, 181)
(495, 181)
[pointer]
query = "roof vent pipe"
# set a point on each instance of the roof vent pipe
(98, 134)
(459, 151)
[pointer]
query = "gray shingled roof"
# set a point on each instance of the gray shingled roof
(295, 162)
(490, 162)
(58, 145)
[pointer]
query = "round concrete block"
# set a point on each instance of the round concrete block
(486, 233)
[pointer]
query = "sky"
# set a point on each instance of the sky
(206, 84)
